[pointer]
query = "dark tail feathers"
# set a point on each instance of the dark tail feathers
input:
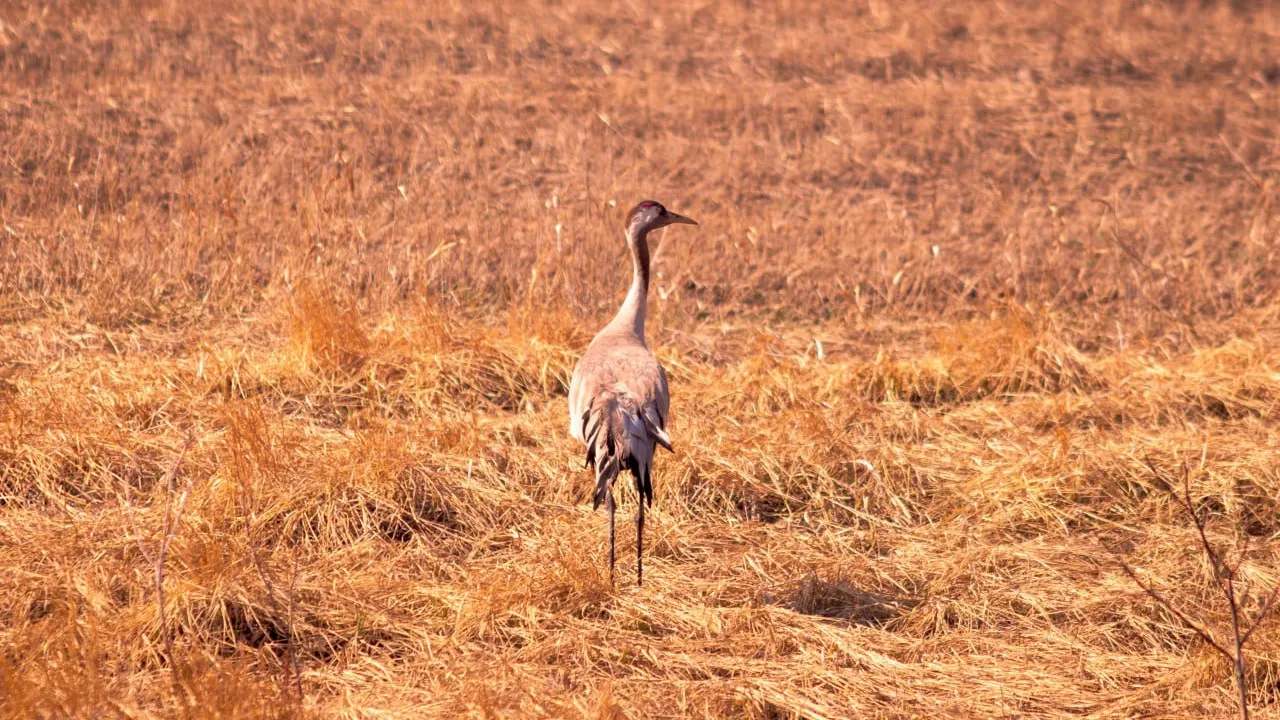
(619, 437)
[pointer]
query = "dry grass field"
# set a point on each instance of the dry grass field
(290, 293)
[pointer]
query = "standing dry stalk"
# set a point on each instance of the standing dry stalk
(1225, 574)
(172, 515)
(247, 442)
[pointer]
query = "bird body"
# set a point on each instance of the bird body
(618, 397)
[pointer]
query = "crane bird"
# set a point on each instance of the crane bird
(618, 398)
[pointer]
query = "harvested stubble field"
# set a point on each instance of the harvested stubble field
(290, 294)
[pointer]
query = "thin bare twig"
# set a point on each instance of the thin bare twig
(1164, 602)
(1264, 612)
(1225, 575)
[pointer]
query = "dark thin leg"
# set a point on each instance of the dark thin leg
(608, 503)
(640, 544)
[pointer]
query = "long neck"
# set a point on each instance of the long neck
(631, 314)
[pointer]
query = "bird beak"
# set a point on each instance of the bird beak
(674, 219)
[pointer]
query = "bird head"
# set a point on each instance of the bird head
(650, 215)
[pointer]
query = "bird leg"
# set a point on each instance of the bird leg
(640, 544)
(608, 504)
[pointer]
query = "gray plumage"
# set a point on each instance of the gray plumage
(618, 397)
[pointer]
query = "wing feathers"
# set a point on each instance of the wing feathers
(657, 432)
(620, 435)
